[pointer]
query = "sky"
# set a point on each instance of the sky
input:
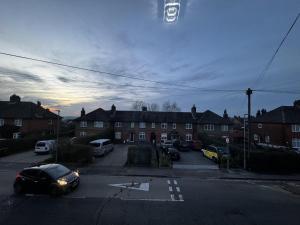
(213, 44)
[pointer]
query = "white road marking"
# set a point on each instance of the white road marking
(168, 181)
(178, 189)
(172, 197)
(170, 189)
(175, 182)
(151, 200)
(134, 186)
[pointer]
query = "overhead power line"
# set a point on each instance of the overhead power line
(116, 75)
(263, 73)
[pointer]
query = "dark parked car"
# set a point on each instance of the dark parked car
(185, 146)
(54, 179)
(173, 153)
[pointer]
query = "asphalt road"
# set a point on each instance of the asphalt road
(117, 157)
(164, 201)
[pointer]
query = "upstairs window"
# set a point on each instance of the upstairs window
(132, 125)
(209, 127)
(224, 127)
(83, 123)
(1, 122)
(152, 125)
(142, 125)
(118, 124)
(188, 126)
(18, 122)
(295, 128)
(98, 124)
(174, 125)
(163, 125)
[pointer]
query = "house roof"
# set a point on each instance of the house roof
(283, 114)
(24, 110)
(158, 117)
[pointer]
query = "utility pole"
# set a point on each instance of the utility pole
(245, 165)
(249, 93)
(57, 135)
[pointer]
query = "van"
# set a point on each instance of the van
(44, 146)
(101, 146)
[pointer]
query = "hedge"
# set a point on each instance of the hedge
(12, 146)
(139, 155)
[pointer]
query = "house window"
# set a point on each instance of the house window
(83, 123)
(142, 136)
(224, 127)
(82, 133)
(118, 135)
(132, 124)
(209, 127)
(1, 122)
(163, 125)
(98, 124)
(255, 136)
(188, 137)
(50, 122)
(295, 128)
(267, 139)
(188, 126)
(142, 125)
(152, 125)
(118, 124)
(16, 135)
(163, 137)
(18, 122)
(174, 126)
(296, 143)
(259, 125)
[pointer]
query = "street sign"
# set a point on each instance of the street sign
(227, 140)
(133, 185)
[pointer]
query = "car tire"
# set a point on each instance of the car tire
(18, 189)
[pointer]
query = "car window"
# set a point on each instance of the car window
(41, 144)
(44, 175)
(33, 173)
(95, 144)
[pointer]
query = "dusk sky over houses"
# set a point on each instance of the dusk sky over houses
(213, 45)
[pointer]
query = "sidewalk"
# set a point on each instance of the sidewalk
(200, 173)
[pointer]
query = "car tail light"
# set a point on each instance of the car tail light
(18, 176)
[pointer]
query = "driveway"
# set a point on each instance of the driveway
(194, 160)
(24, 157)
(117, 157)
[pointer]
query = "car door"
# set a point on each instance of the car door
(31, 180)
(44, 182)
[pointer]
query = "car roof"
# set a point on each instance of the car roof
(44, 166)
(99, 141)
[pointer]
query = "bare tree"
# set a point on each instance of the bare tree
(154, 107)
(170, 107)
(137, 105)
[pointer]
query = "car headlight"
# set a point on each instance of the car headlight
(76, 173)
(62, 182)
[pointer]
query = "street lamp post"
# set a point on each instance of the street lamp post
(57, 135)
(245, 140)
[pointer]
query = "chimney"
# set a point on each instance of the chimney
(113, 110)
(144, 108)
(194, 111)
(38, 103)
(258, 113)
(82, 112)
(297, 104)
(225, 114)
(14, 98)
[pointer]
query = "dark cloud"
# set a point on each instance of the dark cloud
(64, 79)
(18, 75)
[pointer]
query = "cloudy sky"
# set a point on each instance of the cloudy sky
(215, 44)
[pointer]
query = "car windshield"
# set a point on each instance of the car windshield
(57, 171)
(95, 144)
(222, 149)
(41, 144)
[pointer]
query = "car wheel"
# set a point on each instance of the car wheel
(18, 189)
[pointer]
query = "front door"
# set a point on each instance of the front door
(131, 137)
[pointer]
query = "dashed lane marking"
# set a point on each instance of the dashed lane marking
(175, 182)
(170, 188)
(169, 182)
(180, 197)
(178, 189)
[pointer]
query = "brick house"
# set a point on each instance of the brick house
(136, 126)
(19, 118)
(279, 127)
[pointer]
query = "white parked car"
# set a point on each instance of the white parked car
(101, 146)
(45, 146)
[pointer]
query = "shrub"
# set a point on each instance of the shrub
(164, 160)
(12, 146)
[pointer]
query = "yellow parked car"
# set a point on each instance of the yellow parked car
(211, 152)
